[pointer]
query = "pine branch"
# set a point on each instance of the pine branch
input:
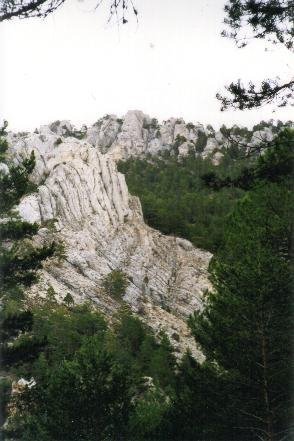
(251, 97)
(24, 9)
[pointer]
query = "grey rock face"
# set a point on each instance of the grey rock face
(137, 135)
(102, 228)
(104, 132)
(101, 224)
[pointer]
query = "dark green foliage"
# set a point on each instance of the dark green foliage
(3, 149)
(17, 229)
(278, 162)
(162, 363)
(68, 299)
(210, 130)
(90, 381)
(243, 389)
(260, 126)
(65, 329)
(178, 141)
(276, 165)
(152, 125)
(201, 141)
(121, 382)
(237, 132)
(58, 142)
(200, 406)
(20, 262)
(3, 142)
(5, 390)
(115, 283)
(176, 201)
(138, 348)
(83, 399)
(276, 128)
(19, 259)
(271, 20)
(15, 184)
(246, 326)
(147, 419)
(47, 332)
(24, 350)
(190, 126)
(268, 19)
(252, 96)
(12, 324)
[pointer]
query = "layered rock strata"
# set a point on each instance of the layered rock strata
(102, 228)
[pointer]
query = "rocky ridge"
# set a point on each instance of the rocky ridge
(138, 135)
(101, 224)
(102, 228)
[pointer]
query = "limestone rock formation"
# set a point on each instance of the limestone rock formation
(102, 228)
(101, 224)
(136, 134)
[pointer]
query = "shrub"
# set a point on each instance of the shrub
(201, 142)
(190, 126)
(115, 283)
(57, 142)
(153, 124)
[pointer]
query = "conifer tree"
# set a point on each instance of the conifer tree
(19, 258)
(246, 326)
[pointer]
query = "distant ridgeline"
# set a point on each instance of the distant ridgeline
(185, 174)
(188, 188)
(139, 135)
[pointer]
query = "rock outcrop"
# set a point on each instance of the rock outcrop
(102, 228)
(139, 135)
(101, 224)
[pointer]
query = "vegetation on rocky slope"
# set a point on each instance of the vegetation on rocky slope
(175, 196)
(96, 381)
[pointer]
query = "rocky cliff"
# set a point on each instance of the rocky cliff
(83, 195)
(137, 135)
(102, 226)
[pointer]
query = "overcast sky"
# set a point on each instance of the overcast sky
(73, 65)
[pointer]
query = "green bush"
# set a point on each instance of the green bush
(201, 141)
(115, 283)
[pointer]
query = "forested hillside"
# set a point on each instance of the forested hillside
(146, 265)
(89, 378)
(190, 196)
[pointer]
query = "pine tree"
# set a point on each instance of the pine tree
(19, 258)
(246, 326)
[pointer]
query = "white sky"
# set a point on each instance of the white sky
(73, 65)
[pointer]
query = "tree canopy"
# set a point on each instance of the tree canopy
(246, 326)
(97, 379)
(272, 21)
